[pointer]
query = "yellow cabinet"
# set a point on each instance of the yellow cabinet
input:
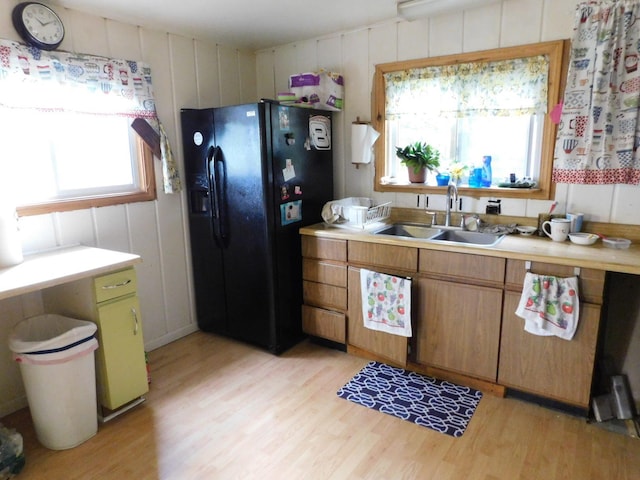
(121, 363)
(111, 302)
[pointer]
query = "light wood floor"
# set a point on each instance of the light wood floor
(223, 410)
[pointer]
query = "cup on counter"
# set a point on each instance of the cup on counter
(576, 221)
(557, 229)
(545, 217)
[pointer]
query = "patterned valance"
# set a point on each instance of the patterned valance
(500, 88)
(73, 82)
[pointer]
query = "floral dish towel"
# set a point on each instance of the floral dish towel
(550, 305)
(386, 302)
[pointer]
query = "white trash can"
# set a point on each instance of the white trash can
(57, 364)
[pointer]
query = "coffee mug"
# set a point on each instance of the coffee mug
(558, 229)
(576, 221)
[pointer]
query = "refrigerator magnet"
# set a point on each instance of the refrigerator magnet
(288, 172)
(291, 212)
(284, 192)
(283, 115)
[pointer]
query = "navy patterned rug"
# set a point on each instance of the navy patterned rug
(436, 404)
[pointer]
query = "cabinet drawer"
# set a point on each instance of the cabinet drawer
(390, 256)
(590, 281)
(324, 323)
(324, 295)
(324, 272)
(473, 269)
(115, 285)
(324, 248)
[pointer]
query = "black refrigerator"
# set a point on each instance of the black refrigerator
(255, 174)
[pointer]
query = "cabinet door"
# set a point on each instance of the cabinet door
(549, 366)
(459, 327)
(121, 361)
(382, 344)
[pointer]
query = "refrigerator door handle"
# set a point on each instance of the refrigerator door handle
(212, 154)
(220, 172)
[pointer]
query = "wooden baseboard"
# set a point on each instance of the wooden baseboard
(360, 352)
(441, 374)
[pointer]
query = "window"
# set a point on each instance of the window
(66, 161)
(470, 105)
(67, 136)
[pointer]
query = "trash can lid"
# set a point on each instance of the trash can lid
(49, 332)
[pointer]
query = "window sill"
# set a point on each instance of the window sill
(523, 193)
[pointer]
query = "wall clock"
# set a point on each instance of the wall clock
(38, 25)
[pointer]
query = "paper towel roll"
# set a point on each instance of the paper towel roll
(10, 246)
(363, 136)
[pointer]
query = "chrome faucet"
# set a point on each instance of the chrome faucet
(451, 189)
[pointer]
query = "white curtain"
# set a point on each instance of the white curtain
(599, 133)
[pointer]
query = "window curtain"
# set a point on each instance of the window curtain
(71, 82)
(598, 133)
(501, 88)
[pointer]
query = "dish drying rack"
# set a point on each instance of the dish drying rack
(357, 212)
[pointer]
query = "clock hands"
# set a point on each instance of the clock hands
(44, 24)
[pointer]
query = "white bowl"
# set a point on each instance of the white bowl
(583, 238)
(526, 230)
(619, 243)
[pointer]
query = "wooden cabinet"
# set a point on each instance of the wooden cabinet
(389, 259)
(459, 327)
(381, 345)
(550, 366)
(112, 303)
(464, 325)
(324, 288)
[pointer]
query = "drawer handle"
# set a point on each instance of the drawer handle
(135, 321)
(116, 285)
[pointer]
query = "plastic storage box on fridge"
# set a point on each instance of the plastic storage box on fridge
(322, 90)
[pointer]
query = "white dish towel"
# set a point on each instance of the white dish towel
(386, 302)
(550, 305)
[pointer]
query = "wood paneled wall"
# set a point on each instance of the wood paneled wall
(355, 54)
(186, 73)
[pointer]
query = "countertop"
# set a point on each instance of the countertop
(60, 265)
(515, 246)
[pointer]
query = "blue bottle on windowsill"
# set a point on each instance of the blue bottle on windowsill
(486, 171)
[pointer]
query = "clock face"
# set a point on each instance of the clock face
(41, 26)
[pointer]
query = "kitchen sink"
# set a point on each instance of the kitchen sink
(440, 234)
(412, 230)
(471, 238)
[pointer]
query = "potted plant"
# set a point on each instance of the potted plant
(419, 157)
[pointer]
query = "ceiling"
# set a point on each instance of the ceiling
(251, 24)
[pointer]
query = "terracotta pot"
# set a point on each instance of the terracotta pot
(418, 177)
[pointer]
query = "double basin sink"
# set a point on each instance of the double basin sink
(440, 234)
